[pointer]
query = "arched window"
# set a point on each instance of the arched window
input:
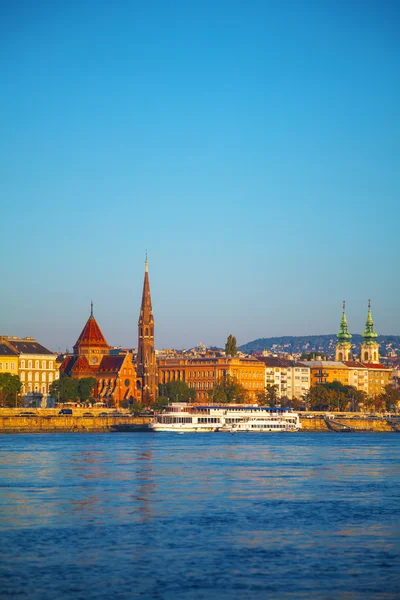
(22, 364)
(43, 388)
(340, 356)
(43, 364)
(36, 364)
(43, 376)
(50, 377)
(366, 356)
(36, 376)
(146, 331)
(141, 331)
(22, 376)
(30, 376)
(29, 388)
(50, 365)
(29, 364)
(374, 355)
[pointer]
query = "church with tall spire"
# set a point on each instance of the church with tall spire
(369, 346)
(146, 365)
(343, 344)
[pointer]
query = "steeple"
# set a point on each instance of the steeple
(91, 342)
(343, 344)
(369, 335)
(146, 358)
(370, 346)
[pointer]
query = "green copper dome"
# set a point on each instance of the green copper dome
(369, 335)
(344, 336)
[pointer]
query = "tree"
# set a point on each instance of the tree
(177, 391)
(10, 387)
(86, 387)
(269, 397)
(391, 397)
(64, 389)
(230, 346)
(226, 391)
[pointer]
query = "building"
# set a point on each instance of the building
(343, 344)
(8, 358)
(37, 368)
(146, 365)
(115, 373)
(91, 344)
(201, 374)
(116, 378)
(369, 347)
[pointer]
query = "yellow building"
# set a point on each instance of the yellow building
(201, 374)
(8, 358)
(327, 371)
(37, 367)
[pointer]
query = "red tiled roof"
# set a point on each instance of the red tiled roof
(81, 365)
(353, 363)
(375, 366)
(91, 335)
(111, 364)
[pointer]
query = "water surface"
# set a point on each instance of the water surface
(195, 516)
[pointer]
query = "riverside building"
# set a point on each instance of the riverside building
(201, 374)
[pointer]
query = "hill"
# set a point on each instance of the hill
(318, 343)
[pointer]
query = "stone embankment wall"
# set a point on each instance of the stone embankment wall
(358, 424)
(50, 424)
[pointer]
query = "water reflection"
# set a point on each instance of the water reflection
(195, 517)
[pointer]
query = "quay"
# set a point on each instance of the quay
(49, 421)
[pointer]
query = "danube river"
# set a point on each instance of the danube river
(199, 516)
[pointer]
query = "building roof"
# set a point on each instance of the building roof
(7, 351)
(274, 361)
(31, 346)
(354, 363)
(81, 365)
(375, 366)
(323, 363)
(91, 335)
(111, 363)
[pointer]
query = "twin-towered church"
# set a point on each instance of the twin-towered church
(369, 351)
(118, 376)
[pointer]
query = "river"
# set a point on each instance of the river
(200, 516)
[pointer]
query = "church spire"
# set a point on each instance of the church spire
(343, 344)
(344, 335)
(91, 308)
(369, 335)
(369, 346)
(146, 358)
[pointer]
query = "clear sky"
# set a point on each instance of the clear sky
(252, 147)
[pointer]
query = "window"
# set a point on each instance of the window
(36, 364)
(29, 364)
(12, 366)
(43, 364)
(6, 366)
(22, 364)
(50, 365)
(30, 377)
(43, 376)
(36, 376)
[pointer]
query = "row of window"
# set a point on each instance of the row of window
(37, 362)
(36, 377)
(8, 366)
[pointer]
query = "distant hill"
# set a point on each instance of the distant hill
(318, 343)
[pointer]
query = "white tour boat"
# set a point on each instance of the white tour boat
(185, 417)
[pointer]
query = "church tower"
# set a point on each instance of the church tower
(343, 344)
(369, 347)
(146, 358)
(91, 343)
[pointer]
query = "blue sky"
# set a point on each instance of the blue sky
(251, 147)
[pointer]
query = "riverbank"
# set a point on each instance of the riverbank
(54, 423)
